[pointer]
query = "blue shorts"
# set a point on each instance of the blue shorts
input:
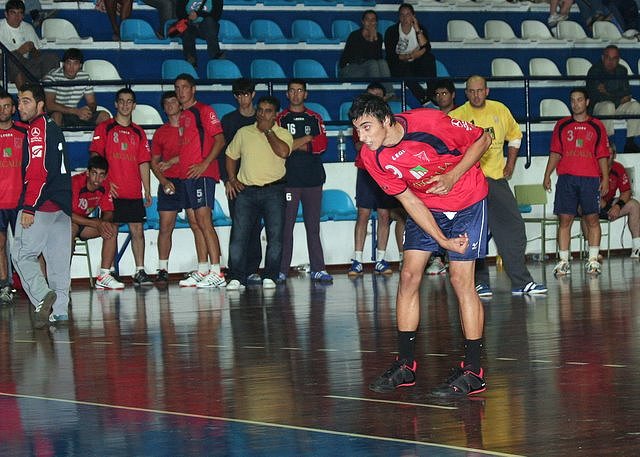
(471, 220)
(369, 194)
(173, 202)
(199, 192)
(8, 219)
(573, 192)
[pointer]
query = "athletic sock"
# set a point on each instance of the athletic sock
(203, 268)
(357, 255)
(593, 252)
(163, 264)
(406, 346)
(139, 268)
(215, 268)
(472, 350)
(380, 254)
(564, 255)
(104, 271)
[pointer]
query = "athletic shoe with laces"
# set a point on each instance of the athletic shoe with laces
(635, 253)
(562, 268)
(58, 318)
(460, 383)
(162, 276)
(400, 374)
(321, 276)
(106, 281)
(437, 267)
(6, 295)
(484, 290)
(254, 279)
(141, 278)
(356, 268)
(382, 267)
(192, 280)
(268, 283)
(531, 288)
(593, 267)
(42, 311)
(234, 284)
(213, 279)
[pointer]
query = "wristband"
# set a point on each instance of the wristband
(620, 203)
(268, 132)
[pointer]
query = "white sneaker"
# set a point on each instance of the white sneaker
(212, 280)
(194, 278)
(631, 33)
(106, 281)
(437, 267)
(562, 268)
(234, 284)
(593, 267)
(268, 283)
(635, 253)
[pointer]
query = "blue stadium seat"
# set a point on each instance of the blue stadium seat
(308, 69)
(266, 69)
(342, 28)
(219, 218)
(383, 25)
(268, 31)
(324, 113)
(326, 3)
(310, 32)
(222, 69)
(222, 108)
(291, 3)
(230, 34)
(441, 70)
(173, 67)
(337, 206)
(344, 110)
(370, 3)
(396, 106)
(241, 2)
(139, 31)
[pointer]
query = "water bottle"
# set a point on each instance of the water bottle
(342, 147)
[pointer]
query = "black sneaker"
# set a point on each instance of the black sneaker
(461, 382)
(399, 375)
(42, 311)
(162, 276)
(141, 278)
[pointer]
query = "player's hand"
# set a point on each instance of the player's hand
(265, 124)
(196, 170)
(507, 172)
(232, 189)
(442, 184)
(27, 220)
(107, 230)
(163, 166)
(614, 212)
(458, 244)
(546, 183)
(147, 200)
(168, 187)
(113, 189)
(604, 188)
(84, 113)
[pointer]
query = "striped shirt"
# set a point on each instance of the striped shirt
(68, 95)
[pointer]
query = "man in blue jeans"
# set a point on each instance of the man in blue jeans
(258, 190)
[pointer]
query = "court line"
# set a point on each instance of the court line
(265, 424)
(404, 403)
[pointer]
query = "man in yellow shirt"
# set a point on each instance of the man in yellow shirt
(504, 218)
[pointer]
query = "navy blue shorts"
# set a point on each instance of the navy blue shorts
(199, 192)
(573, 192)
(173, 202)
(471, 220)
(8, 219)
(369, 194)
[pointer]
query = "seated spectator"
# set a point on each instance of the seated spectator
(362, 56)
(115, 8)
(62, 101)
(409, 51)
(203, 23)
(610, 94)
(90, 191)
(21, 39)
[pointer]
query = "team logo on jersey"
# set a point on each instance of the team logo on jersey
(491, 131)
(418, 172)
(8, 152)
(398, 154)
(462, 124)
(394, 170)
(124, 146)
(422, 155)
(579, 142)
(307, 130)
(35, 131)
(36, 151)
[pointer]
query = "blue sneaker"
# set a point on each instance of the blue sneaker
(321, 276)
(282, 278)
(531, 288)
(254, 279)
(356, 268)
(56, 318)
(382, 267)
(484, 290)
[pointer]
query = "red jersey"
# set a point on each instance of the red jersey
(84, 201)
(618, 180)
(199, 125)
(166, 144)
(433, 144)
(125, 148)
(11, 144)
(580, 144)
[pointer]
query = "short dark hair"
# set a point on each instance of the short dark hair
(242, 85)
(36, 90)
(444, 83)
(372, 105)
(126, 90)
(98, 162)
(369, 12)
(5, 94)
(271, 100)
(582, 90)
(167, 95)
(14, 5)
(408, 6)
(300, 81)
(73, 54)
(377, 85)
(186, 77)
